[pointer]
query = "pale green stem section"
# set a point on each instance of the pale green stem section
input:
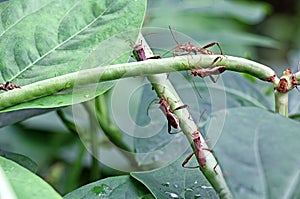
(112, 72)
(162, 85)
(164, 88)
(282, 103)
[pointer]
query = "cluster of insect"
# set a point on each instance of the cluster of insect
(173, 121)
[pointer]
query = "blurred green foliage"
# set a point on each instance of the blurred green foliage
(251, 29)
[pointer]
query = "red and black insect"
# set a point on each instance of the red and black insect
(190, 48)
(139, 53)
(171, 117)
(209, 72)
(202, 72)
(199, 151)
(8, 86)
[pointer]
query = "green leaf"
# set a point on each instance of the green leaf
(45, 39)
(259, 153)
(16, 116)
(26, 184)
(248, 12)
(222, 21)
(20, 159)
(113, 187)
(42, 39)
(174, 181)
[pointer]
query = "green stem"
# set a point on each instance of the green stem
(95, 170)
(162, 85)
(112, 72)
(72, 127)
(74, 176)
(76, 168)
(112, 132)
(282, 103)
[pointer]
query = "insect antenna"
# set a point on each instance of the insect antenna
(173, 36)
(150, 105)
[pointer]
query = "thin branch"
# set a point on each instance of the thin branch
(113, 72)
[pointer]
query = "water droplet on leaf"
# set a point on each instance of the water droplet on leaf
(173, 195)
(206, 187)
(188, 189)
(102, 191)
(167, 184)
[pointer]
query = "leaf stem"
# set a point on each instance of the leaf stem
(113, 72)
(112, 132)
(282, 103)
(163, 86)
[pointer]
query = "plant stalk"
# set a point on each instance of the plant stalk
(106, 73)
(282, 103)
(163, 86)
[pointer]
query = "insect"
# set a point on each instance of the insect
(139, 53)
(199, 152)
(190, 48)
(209, 72)
(8, 86)
(171, 117)
(173, 120)
(203, 72)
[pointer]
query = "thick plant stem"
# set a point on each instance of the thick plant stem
(164, 88)
(113, 72)
(282, 103)
(162, 85)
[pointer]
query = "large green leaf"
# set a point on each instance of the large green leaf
(42, 38)
(259, 153)
(45, 39)
(174, 181)
(113, 187)
(25, 184)
(20, 159)
(207, 21)
(15, 116)
(248, 12)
